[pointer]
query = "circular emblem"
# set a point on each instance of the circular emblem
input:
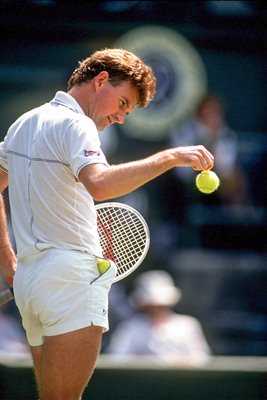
(181, 80)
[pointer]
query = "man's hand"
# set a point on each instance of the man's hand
(197, 157)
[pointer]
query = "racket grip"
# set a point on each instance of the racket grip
(6, 296)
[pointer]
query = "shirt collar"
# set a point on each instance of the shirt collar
(66, 100)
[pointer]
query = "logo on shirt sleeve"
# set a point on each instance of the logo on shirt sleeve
(90, 153)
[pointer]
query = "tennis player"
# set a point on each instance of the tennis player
(53, 165)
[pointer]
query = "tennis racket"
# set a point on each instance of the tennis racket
(6, 295)
(124, 238)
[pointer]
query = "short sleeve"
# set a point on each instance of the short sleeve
(82, 145)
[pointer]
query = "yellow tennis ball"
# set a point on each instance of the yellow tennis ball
(207, 182)
(102, 265)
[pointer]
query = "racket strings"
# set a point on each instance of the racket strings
(122, 237)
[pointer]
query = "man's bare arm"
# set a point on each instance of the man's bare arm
(8, 260)
(107, 182)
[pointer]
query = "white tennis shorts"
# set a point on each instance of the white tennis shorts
(59, 291)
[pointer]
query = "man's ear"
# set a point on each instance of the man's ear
(101, 78)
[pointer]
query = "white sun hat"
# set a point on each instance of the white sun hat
(155, 288)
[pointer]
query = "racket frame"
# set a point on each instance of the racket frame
(145, 230)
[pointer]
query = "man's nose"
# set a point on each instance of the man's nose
(120, 117)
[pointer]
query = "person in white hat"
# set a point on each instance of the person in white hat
(156, 329)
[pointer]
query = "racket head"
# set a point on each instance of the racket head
(124, 236)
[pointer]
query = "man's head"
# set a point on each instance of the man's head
(121, 65)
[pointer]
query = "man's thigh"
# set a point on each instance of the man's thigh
(66, 363)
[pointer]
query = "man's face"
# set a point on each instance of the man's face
(112, 103)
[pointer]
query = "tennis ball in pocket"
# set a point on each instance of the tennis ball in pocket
(102, 265)
(207, 182)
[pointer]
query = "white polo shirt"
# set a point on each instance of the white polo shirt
(43, 153)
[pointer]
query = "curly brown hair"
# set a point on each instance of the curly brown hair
(121, 65)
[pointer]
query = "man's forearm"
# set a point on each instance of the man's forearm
(7, 254)
(4, 237)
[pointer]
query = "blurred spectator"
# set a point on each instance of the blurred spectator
(209, 127)
(156, 329)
